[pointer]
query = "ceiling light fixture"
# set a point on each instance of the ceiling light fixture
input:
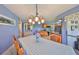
(37, 18)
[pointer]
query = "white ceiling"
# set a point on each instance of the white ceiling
(49, 11)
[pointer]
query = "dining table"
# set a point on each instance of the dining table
(40, 46)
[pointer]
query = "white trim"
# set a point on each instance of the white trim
(8, 19)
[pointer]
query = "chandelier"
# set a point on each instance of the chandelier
(37, 18)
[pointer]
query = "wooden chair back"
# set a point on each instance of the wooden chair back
(16, 43)
(21, 51)
(57, 38)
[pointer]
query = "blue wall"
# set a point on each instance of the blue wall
(64, 29)
(6, 32)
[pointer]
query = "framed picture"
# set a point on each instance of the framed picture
(6, 20)
(72, 28)
(76, 27)
(72, 21)
(76, 22)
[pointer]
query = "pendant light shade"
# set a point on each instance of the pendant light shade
(42, 21)
(39, 22)
(30, 20)
(36, 19)
(33, 22)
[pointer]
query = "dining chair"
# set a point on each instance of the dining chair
(20, 51)
(16, 44)
(56, 38)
